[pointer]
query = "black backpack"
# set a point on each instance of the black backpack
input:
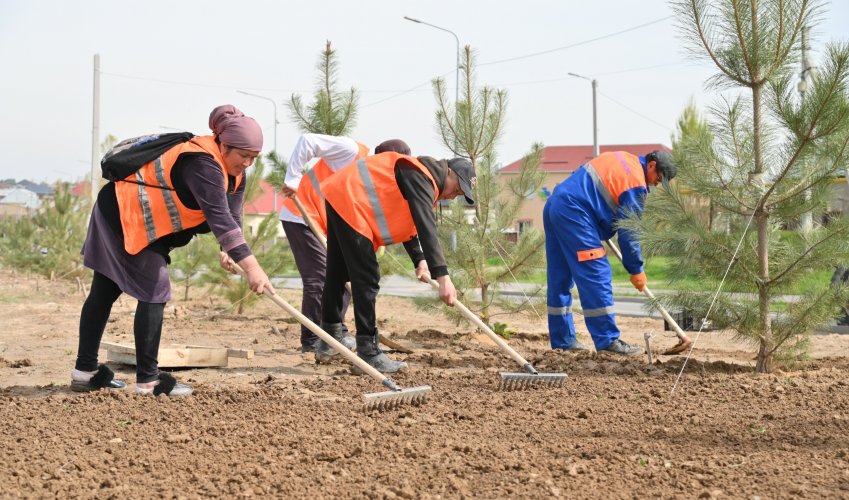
(132, 154)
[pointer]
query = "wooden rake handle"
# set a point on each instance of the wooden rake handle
(311, 223)
(474, 318)
(663, 312)
(341, 349)
(320, 235)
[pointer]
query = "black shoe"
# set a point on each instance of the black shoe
(323, 352)
(305, 348)
(369, 351)
(104, 378)
(623, 348)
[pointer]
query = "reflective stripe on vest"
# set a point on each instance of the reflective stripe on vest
(602, 188)
(149, 207)
(170, 204)
(316, 184)
(149, 226)
(374, 201)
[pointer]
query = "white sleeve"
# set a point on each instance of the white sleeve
(337, 152)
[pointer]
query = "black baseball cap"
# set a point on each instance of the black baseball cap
(666, 168)
(466, 173)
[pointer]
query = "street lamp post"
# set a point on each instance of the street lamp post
(274, 103)
(595, 116)
(457, 65)
(806, 74)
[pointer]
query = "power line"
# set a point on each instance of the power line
(210, 85)
(411, 89)
(635, 111)
(561, 79)
(602, 37)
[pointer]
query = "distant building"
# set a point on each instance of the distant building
(558, 162)
(259, 208)
(18, 202)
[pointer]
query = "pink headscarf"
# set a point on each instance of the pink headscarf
(234, 129)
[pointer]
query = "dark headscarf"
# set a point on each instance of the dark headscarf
(234, 129)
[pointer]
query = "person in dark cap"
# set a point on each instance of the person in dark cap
(192, 188)
(381, 200)
(581, 213)
(332, 154)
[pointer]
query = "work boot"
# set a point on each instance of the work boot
(369, 351)
(623, 348)
(323, 352)
(578, 346)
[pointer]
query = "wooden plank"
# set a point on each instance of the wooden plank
(121, 357)
(171, 356)
(231, 353)
(192, 357)
(240, 353)
(125, 349)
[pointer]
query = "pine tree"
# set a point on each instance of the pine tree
(49, 242)
(481, 255)
(191, 262)
(274, 259)
(332, 112)
(768, 158)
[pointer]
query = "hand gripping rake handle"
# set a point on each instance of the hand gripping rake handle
(677, 329)
(474, 318)
(341, 349)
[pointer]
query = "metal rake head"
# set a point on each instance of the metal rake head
(521, 381)
(388, 400)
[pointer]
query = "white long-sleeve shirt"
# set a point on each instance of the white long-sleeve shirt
(337, 152)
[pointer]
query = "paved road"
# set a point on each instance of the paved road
(398, 286)
(626, 303)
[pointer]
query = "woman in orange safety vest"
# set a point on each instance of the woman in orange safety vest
(194, 187)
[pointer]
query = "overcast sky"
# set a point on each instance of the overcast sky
(166, 64)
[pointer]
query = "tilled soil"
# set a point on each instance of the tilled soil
(281, 426)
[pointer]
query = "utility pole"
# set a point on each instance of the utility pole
(594, 83)
(595, 119)
(273, 103)
(806, 74)
(95, 133)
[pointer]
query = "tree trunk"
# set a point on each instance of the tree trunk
(484, 302)
(764, 362)
(186, 292)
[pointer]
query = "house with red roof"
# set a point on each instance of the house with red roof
(558, 162)
(259, 208)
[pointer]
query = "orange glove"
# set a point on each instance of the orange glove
(639, 281)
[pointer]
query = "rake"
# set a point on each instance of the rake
(684, 342)
(394, 397)
(320, 235)
(510, 380)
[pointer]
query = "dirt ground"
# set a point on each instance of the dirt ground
(280, 425)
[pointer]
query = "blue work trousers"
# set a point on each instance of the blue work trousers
(576, 256)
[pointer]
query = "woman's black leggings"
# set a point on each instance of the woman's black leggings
(147, 329)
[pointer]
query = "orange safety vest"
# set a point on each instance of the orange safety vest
(309, 191)
(149, 212)
(366, 195)
(615, 172)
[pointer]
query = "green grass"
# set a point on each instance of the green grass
(657, 270)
